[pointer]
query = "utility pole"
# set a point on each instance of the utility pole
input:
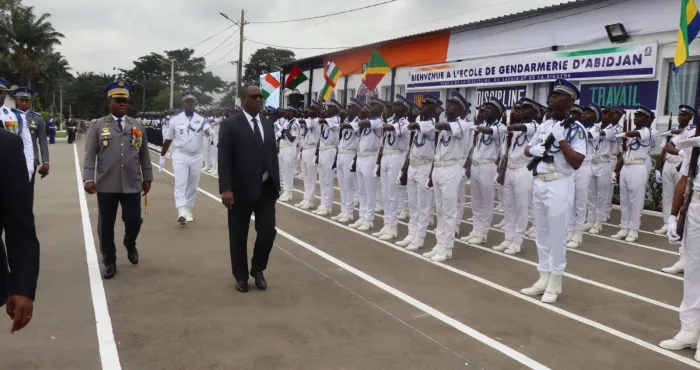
(144, 93)
(53, 100)
(172, 81)
(240, 55)
(60, 109)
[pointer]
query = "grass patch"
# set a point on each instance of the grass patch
(60, 134)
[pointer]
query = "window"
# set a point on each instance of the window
(386, 93)
(351, 94)
(682, 86)
(542, 92)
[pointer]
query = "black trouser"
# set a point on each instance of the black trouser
(71, 136)
(238, 225)
(107, 204)
(31, 186)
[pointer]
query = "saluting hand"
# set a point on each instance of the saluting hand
(227, 199)
(146, 186)
(90, 187)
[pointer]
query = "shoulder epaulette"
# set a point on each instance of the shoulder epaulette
(93, 121)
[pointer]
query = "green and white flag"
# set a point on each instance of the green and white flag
(269, 85)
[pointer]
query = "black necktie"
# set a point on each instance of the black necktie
(256, 129)
(119, 123)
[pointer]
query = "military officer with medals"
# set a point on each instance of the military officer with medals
(37, 129)
(186, 132)
(15, 121)
(118, 168)
(553, 188)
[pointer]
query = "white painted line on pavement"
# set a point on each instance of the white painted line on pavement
(515, 355)
(105, 335)
(500, 288)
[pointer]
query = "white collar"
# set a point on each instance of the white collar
(250, 118)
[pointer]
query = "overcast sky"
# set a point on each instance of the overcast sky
(101, 34)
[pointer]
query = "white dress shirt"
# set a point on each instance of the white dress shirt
(8, 117)
(262, 133)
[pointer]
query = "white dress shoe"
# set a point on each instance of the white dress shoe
(514, 249)
(182, 216)
(406, 241)
(503, 246)
(677, 267)
(416, 244)
(531, 232)
(346, 219)
(338, 216)
(403, 216)
(380, 232)
(356, 225)
(588, 225)
(576, 241)
(632, 236)
(684, 339)
(597, 228)
(553, 289)
(477, 239)
(662, 231)
(466, 238)
(300, 204)
(189, 217)
(499, 225)
(206, 168)
(308, 206)
(379, 208)
(620, 234)
(366, 226)
(323, 211)
(390, 234)
(539, 287)
(569, 236)
(432, 252)
(443, 255)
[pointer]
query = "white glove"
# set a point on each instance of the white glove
(537, 151)
(299, 157)
(620, 135)
(657, 174)
(464, 174)
(374, 173)
(614, 178)
(671, 234)
(161, 163)
(495, 180)
(558, 132)
(426, 185)
(398, 179)
(693, 142)
(471, 127)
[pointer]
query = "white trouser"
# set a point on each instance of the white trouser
(633, 187)
(608, 202)
(403, 199)
(308, 159)
(670, 177)
(346, 181)
(378, 188)
(187, 171)
(461, 197)
(287, 159)
(367, 184)
(446, 182)
(325, 176)
(206, 150)
(552, 202)
(390, 170)
(600, 189)
(690, 306)
(355, 183)
(517, 195)
(582, 179)
(420, 200)
(483, 196)
(213, 152)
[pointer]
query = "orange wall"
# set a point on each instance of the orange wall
(427, 49)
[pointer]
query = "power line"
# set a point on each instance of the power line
(300, 48)
(224, 56)
(211, 37)
(327, 15)
(218, 46)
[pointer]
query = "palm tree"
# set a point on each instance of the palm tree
(29, 37)
(50, 79)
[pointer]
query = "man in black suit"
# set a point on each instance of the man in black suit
(249, 182)
(20, 251)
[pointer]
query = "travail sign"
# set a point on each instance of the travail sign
(627, 95)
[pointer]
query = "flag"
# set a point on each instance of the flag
(269, 85)
(295, 78)
(331, 75)
(376, 69)
(687, 30)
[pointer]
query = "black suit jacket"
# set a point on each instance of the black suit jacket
(17, 222)
(241, 158)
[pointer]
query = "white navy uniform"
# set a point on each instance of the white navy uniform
(214, 128)
(462, 189)
(553, 197)
(420, 199)
(600, 187)
(287, 156)
(206, 149)
(330, 137)
(633, 179)
(582, 180)
(309, 140)
(347, 180)
(394, 153)
(670, 176)
(517, 186)
(15, 121)
(483, 172)
(447, 174)
(187, 135)
(370, 141)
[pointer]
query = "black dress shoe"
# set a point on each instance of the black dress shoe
(134, 257)
(109, 271)
(242, 286)
(260, 280)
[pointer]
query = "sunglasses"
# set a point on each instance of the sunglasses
(120, 100)
(256, 96)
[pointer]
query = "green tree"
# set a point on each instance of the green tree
(264, 61)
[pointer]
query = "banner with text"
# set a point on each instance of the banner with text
(508, 95)
(626, 95)
(619, 62)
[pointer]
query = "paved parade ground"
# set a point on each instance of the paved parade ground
(337, 298)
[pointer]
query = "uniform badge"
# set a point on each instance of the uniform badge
(105, 143)
(105, 131)
(109, 119)
(581, 135)
(33, 132)
(12, 126)
(129, 121)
